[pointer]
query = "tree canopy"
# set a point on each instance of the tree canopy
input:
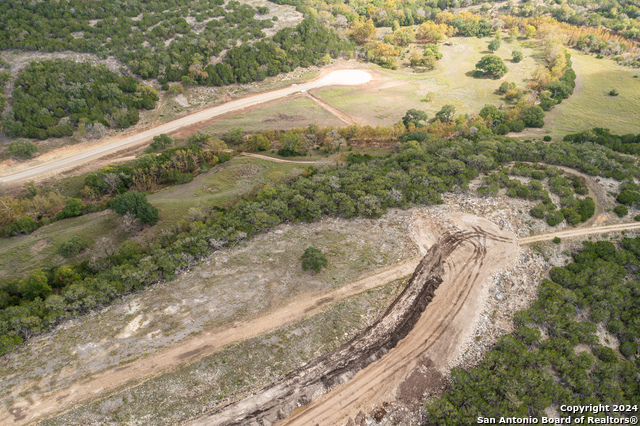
(492, 65)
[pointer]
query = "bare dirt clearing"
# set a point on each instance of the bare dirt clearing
(435, 339)
(255, 278)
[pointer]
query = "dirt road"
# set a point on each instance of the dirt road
(335, 78)
(335, 111)
(580, 232)
(279, 160)
(378, 362)
(191, 350)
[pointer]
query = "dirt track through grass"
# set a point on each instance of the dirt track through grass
(191, 350)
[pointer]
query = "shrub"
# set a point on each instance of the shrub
(22, 148)
(502, 129)
(494, 45)
(72, 208)
(505, 87)
(24, 225)
(547, 138)
(313, 259)
(627, 197)
(160, 141)
(516, 126)
(554, 217)
(538, 211)
(182, 178)
(533, 116)
(613, 92)
(517, 56)
(72, 247)
(637, 218)
(621, 210)
(446, 113)
(136, 203)
(629, 349)
(557, 240)
(256, 142)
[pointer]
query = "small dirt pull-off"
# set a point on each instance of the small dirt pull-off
(301, 386)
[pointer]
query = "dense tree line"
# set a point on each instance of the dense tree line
(628, 144)
(54, 98)
(417, 175)
(172, 166)
(541, 364)
(155, 40)
(308, 44)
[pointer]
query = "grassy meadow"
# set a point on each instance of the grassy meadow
(384, 102)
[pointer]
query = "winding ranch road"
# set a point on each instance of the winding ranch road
(335, 78)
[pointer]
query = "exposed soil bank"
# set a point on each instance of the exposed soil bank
(305, 384)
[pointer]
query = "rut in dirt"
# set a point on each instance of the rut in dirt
(301, 386)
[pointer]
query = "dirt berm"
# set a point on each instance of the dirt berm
(300, 387)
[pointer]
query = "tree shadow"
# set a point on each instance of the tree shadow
(480, 75)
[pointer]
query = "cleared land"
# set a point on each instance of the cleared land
(468, 255)
(294, 111)
(246, 282)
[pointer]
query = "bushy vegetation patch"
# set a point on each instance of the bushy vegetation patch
(54, 98)
(541, 364)
(366, 187)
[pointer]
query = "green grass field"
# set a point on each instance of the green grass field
(221, 187)
(19, 255)
(592, 106)
(284, 114)
(385, 102)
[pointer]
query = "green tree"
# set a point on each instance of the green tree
(446, 113)
(621, 210)
(234, 136)
(73, 207)
(72, 246)
(136, 203)
(492, 66)
(415, 117)
(22, 148)
(257, 142)
(404, 36)
(362, 32)
(292, 144)
(494, 45)
(35, 285)
(313, 259)
(492, 115)
(517, 56)
(533, 116)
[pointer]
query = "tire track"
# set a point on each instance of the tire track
(376, 343)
